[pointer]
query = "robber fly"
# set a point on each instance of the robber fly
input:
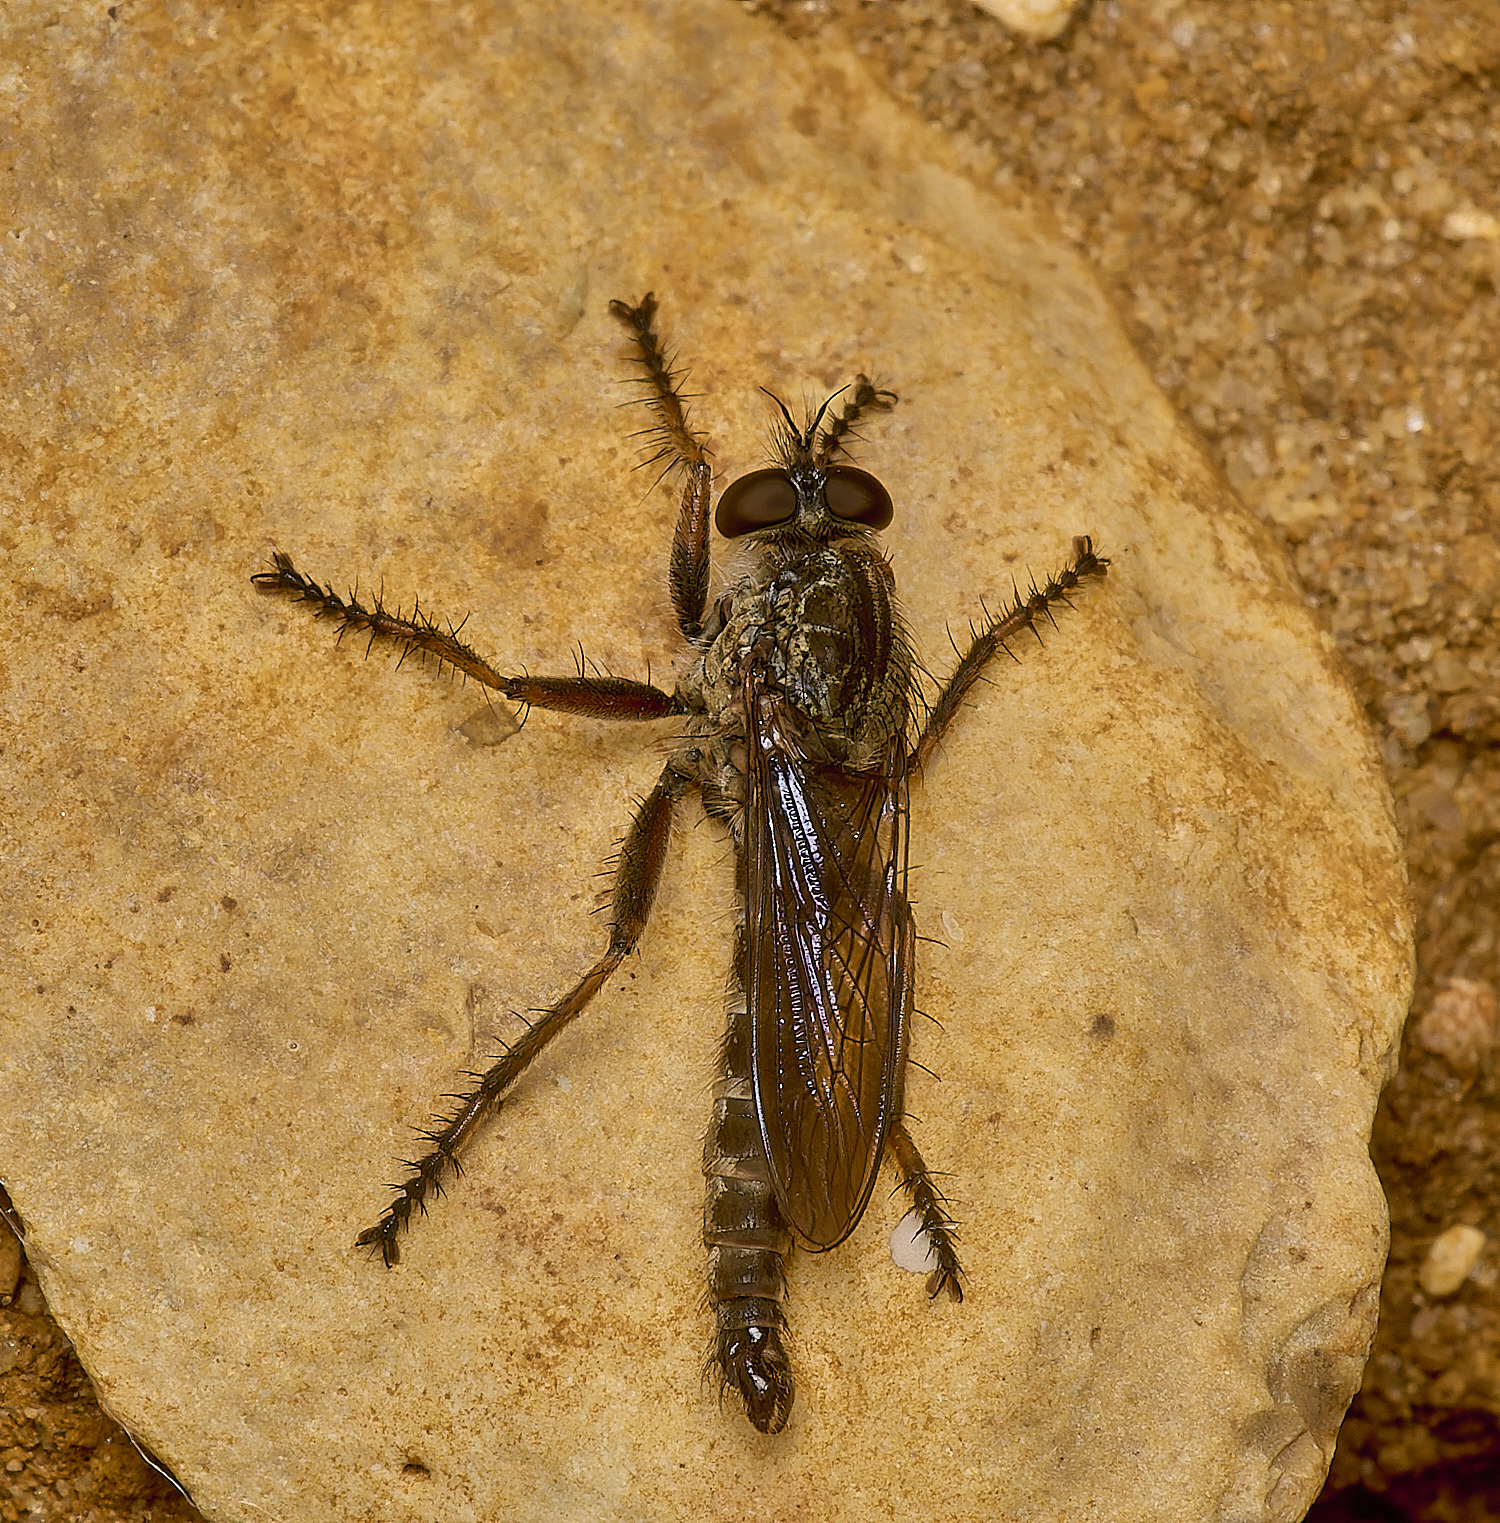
(802, 723)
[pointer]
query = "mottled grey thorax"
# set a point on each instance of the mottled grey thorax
(824, 620)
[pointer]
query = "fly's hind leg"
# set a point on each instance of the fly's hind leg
(932, 1211)
(637, 874)
(986, 642)
(916, 1178)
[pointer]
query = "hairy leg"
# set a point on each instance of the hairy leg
(637, 874)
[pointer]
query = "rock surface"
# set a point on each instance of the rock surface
(339, 287)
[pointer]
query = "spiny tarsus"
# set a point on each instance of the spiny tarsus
(674, 440)
(843, 428)
(416, 633)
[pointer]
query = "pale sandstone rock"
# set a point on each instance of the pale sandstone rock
(340, 287)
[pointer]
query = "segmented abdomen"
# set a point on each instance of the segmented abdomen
(747, 1239)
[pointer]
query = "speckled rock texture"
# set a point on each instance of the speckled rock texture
(335, 282)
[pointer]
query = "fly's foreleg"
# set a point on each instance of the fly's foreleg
(989, 640)
(864, 397)
(637, 874)
(675, 443)
(747, 1238)
(932, 1211)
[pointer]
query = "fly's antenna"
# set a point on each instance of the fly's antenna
(816, 421)
(790, 446)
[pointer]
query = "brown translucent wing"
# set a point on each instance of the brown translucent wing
(830, 971)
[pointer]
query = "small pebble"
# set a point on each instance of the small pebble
(1466, 222)
(1040, 20)
(1450, 1258)
(1459, 1025)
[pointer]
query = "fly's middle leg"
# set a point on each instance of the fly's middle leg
(748, 1240)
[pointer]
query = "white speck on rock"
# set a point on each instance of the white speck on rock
(911, 1248)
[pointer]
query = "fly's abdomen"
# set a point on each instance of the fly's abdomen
(748, 1243)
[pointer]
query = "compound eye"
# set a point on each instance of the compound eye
(757, 501)
(857, 497)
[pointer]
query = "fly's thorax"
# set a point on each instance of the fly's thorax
(822, 622)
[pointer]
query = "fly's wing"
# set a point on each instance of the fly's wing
(830, 942)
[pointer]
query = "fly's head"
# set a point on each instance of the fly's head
(809, 495)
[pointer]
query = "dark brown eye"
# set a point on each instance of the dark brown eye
(756, 501)
(857, 497)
